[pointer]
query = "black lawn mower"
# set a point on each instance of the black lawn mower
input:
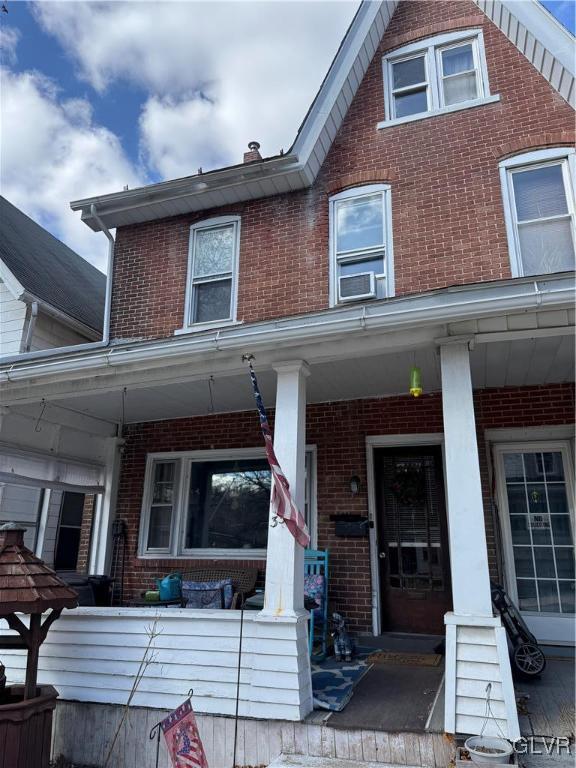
(528, 659)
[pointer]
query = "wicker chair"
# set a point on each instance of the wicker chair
(243, 580)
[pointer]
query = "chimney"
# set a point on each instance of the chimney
(254, 154)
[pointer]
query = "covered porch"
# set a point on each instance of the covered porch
(494, 360)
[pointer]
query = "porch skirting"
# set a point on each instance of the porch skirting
(93, 655)
(83, 731)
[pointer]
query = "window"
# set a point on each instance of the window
(207, 504)
(440, 74)
(212, 271)
(538, 197)
(538, 527)
(361, 244)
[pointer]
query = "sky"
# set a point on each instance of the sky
(99, 95)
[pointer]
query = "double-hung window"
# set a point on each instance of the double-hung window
(361, 244)
(443, 73)
(212, 271)
(211, 504)
(538, 192)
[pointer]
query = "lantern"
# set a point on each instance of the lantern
(415, 382)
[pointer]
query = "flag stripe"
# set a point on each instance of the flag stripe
(281, 499)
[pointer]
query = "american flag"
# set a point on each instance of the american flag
(281, 499)
(182, 738)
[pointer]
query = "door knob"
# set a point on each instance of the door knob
(382, 555)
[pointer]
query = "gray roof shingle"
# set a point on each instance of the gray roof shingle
(49, 270)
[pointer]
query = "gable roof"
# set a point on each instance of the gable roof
(48, 270)
(532, 29)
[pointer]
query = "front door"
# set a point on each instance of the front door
(413, 551)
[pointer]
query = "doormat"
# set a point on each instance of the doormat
(333, 681)
(406, 659)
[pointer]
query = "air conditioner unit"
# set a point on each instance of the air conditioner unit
(360, 286)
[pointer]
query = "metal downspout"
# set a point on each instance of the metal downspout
(108, 299)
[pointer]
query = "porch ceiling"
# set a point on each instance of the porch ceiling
(502, 363)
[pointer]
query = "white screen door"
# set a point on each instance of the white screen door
(537, 514)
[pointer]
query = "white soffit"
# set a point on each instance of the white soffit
(535, 32)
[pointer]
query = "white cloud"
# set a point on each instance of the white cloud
(51, 153)
(9, 37)
(216, 75)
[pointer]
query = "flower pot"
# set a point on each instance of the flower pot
(488, 750)
(26, 727)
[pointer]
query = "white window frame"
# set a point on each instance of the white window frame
(431, 48)
(548, 627)
(564, 156)
(388, 276)
(184, 460)
(212, 223)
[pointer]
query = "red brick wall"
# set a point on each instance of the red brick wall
(339, 431)
(446, 199)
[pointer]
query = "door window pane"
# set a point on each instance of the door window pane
(359, 223)
(409, 72)
(212, 301)
(228, 504)
(542, 539)
(410, 103)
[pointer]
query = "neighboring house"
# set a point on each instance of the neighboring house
(424, 217)
(49, 297)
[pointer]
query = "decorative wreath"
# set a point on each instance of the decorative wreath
(409, 485)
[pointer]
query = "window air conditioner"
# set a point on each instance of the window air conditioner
(353, 287)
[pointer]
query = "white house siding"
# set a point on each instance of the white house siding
(49, 333)
(12, 318)
(93, 655)
(20, 504)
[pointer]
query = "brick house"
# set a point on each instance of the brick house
(423, 219)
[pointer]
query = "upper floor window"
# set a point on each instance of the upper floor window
(361, 244)
(212, 271)
(443, 73)
(538, 191)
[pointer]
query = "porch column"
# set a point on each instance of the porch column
(104, 510)
(285, 557)
(281, 643)
(476, 647)
(468, 552)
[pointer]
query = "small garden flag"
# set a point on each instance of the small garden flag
(281, 499)
(182, 738)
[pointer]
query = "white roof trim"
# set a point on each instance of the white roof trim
(534, 31)
(11, 281)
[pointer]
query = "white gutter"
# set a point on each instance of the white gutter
(409, 312)
(88, 346)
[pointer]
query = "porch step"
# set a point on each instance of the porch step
(302, 761)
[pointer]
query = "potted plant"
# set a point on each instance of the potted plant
(488, 750)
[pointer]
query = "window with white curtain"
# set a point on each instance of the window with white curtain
(538, 191)
(212, 271)
(436, 74)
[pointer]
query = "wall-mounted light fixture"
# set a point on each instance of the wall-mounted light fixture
(354, 485)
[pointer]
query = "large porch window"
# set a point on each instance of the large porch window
(538, 527)
(210, 504)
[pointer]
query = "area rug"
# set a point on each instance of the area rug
(333, 681)
(406, 659)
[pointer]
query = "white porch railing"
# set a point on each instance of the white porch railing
(93, 655)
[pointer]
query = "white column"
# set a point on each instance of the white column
(104, 511)
(284, 594)
(467, 532)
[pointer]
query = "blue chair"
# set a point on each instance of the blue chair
(316, 588)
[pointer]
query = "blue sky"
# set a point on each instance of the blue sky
(96, 96)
